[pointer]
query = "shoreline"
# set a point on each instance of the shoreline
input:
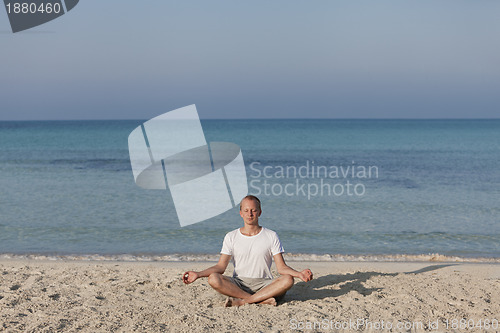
(102, 296)
(289, 257)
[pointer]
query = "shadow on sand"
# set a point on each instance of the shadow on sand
(315, 289)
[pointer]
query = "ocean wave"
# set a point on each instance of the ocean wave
(294, 257)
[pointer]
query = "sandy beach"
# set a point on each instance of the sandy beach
(100, 296)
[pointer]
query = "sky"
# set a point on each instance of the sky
(256, 59)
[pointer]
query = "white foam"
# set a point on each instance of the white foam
(432, 257)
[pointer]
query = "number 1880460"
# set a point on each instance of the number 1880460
(471, 324)
(33, 8)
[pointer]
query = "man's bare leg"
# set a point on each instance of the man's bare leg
(266, 295)
(224, 286)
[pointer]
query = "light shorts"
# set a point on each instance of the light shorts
(253, 285)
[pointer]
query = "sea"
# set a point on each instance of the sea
(397, 190)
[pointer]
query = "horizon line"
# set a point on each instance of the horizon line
(246, 119)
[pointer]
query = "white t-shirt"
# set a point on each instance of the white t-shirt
(252, 256)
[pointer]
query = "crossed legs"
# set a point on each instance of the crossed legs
(239, 297)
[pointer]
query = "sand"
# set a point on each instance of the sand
(97, 296)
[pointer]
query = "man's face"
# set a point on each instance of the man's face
(250, 211)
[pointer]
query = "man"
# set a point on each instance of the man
(252, 248)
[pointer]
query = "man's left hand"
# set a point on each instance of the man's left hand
(306, 275)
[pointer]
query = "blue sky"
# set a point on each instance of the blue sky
(256, 59)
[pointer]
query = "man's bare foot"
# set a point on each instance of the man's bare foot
(270, 301)
(231, 301)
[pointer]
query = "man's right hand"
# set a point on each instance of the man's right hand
(189, 277)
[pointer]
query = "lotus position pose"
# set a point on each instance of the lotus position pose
(252, 248)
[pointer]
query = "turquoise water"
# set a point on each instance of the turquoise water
(67, 188)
